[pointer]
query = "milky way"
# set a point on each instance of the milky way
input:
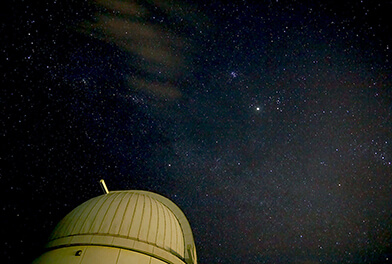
(269, 124)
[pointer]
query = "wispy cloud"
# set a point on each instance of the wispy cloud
(156, 50)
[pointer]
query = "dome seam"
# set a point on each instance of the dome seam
(106, 213)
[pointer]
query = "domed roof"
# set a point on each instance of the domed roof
(135, 220)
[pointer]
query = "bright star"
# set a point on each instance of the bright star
(233, 74)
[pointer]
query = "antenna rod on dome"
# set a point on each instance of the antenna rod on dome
(104, 187)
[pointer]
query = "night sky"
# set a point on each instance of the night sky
(269, 123)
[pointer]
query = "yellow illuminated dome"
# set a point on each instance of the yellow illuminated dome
(122, 227)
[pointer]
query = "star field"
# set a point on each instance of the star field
(268, 123)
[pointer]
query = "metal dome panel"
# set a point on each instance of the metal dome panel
(135, 220)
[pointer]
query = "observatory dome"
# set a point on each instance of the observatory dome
(135, 222)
